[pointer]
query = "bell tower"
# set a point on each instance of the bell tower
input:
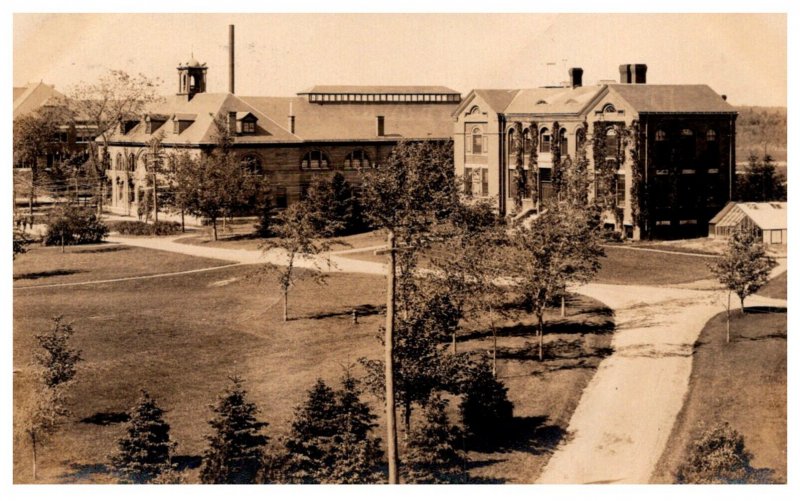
(191, 78)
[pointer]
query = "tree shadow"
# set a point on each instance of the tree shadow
(84, 471)
(187, 462)
(46, 274)
(556, 352)
(527, 434)
(106, 418)
(551, 327)
(104, 249)
(760, 310)
(362, 310)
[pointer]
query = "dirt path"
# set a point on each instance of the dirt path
(627, 412)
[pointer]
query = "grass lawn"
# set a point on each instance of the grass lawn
(627, 266)
(180, 337)
(742, 382)
(775, 288)
(83, 263)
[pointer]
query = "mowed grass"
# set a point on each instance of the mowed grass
(84, 263)
(628, 266)
(743, 383)
(180, 337)
(775, 288)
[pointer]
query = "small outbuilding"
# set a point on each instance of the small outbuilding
(766, 219)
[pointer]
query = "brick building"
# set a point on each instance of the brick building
(292, 140)
(671, 148)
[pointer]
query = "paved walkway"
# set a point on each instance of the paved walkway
(626, 414)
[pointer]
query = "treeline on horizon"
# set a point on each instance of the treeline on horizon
(760, 125)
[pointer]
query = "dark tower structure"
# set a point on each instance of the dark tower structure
(191, 78)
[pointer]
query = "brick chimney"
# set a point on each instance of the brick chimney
(624, 73)
(576, 77)
(379, 124)
(231, 66)
(639, 73)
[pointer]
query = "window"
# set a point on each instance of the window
(248, 127)
(251, 164)
(131, 162)
(477, 141)
(687, 147)
(545, 174)
(544, 140)
(315, 160)
(513, 145)
(612, 143)
(563, 142)
(620, 190)
(609, 108)
(357, 159)
(280, 197)
(580, 139)
(661, 136)
(711, 135)
(467, 181)
(118, 164)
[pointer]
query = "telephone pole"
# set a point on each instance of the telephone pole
(391, 422)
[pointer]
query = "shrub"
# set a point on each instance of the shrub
(719, 457)
(485, 408)
(432, 456)
(69, 224)
(142, 228)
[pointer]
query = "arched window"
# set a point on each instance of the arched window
(527, 144)
(687, 146)
(612, 142)
(609, 108)
(563, 142)
(513, 146)
(661, 136)
(477, 141)
(474, 110)
(315, 159)
(131, 162)
(580, 139)
(118, 164)
(711, 135)
(251, 164)
(357, 159)
(544, 140)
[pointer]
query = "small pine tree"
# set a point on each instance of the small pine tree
(485, 408)
(432, 456)
(55, 356)
(145, 452)
(718, 457)
(235, 452)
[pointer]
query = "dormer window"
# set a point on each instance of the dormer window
(127, 125)
(245, 122)
(153, 122)
(181, 121)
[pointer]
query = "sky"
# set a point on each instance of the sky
(740, 55)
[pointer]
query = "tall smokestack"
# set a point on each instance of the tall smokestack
(230, 60)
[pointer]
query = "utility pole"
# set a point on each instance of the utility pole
(391, 422)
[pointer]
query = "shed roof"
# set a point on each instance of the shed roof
(648, 98)
(765, 215)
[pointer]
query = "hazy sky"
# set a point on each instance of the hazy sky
(741, 55)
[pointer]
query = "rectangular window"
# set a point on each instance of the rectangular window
(621, 191)
(467, 181)
(280, 197)
(545, 143)
(545, 174)
(248, 127)
(477, 144)
(485, 182)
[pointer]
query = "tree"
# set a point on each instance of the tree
(486, 411)
(20, 241)
(406, 195)
(35, 135)
(760, 182)
(744, 267)
(214, 185)
(433, 457)
(145, 452)
(69, 224)
(330, 439)
(56, 368)
(338, 204)
(104, 106)
(561, 247)
(719, 456)
(235, 452)
(300, 231)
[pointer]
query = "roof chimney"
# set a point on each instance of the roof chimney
(230, 60)
(291, 118)
(231, 122)
(724, 97)
(576, 77)
(379, 126)
(639, 73)
(624, 73)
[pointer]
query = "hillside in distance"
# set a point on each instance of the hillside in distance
(758, 126)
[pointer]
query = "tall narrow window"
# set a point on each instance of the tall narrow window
(612, 143)
(563, 142)
(711, 135)
(467, 181)
(357, 159)
(620, 189)
(315, 160)
(477, 141)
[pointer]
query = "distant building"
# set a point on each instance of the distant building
(677, 145)
(293, 140)
(766, 219)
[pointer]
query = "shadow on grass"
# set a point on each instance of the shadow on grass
(83, 471)
(107, 418)
(46, 274)
(556, 352)
(187, 462)
(362, 310)
(763, 309)
(104, 249)
(527, 434)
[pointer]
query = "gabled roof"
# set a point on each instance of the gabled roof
(553, 100)
(201, 111)
(378, 89)
(765, 215)
(357, 121)
(648, 98)
(497, 99)
(32, 97)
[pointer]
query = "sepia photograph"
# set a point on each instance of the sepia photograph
(385, 248)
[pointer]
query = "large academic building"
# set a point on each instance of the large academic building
(674, 145)
(292, 140)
